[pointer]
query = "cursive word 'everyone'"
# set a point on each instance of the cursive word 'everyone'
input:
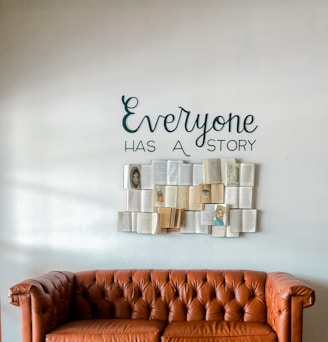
(203, 124)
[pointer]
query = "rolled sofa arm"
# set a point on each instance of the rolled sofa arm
(44, 303)
(286, 296)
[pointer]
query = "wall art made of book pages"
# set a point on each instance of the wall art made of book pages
(214, 196)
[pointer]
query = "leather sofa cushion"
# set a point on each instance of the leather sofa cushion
(114, 330)
(211, 331)
(170, 295)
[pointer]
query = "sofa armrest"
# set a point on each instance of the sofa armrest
(44, 303)
(286, 296)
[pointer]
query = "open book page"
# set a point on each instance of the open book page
(134, 221)
(164, 217)
(220, 215)
(233, 174)
(173, 172)
(180, 218)
(146, 176)
(219, 231)
(137, 176)
(185, 174)
(159, 195)
(133, 200)
(193, 225)
(249, 220)
(165, 196)
(224, 162)
(159, 171)
(236, 220)
(170, 197)
(146, 200)
(240, 174)
(197, 174)
(183, 197)
(232, 196)
(217, 193)
(239, 197)
(207, 215)
(243, 220)
(211, 193)
(231, 234)
(194, 203)
(124, 221)
(212, 171)
(204, 193)
(247, 174)
(246, 197)
(139, 200)
(132, 176)
(147, 223)
(171, 218)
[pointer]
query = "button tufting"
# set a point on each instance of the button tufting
(203, 297)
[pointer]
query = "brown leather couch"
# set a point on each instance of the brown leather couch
(162, 305)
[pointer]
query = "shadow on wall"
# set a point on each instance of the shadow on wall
(315, 327)
(19, 262)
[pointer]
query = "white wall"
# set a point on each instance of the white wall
(64, 66)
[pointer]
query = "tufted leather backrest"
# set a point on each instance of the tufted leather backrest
(171, 295)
